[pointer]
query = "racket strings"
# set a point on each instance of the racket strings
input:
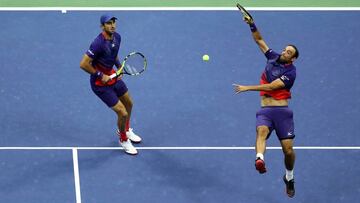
(134, 64)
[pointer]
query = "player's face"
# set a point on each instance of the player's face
(109, 27)
(287, 55)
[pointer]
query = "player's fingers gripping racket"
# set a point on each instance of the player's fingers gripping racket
(245, 13)
(134, 64)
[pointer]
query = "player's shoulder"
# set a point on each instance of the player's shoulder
(271, 51)
(271, 55)
(293, 67)
(117, 35)
(291, 70)
(98, 40)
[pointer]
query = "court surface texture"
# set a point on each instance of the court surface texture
(58, 141)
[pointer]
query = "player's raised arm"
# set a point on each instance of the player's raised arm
(256, 35)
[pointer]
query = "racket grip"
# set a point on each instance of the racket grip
(113, 75)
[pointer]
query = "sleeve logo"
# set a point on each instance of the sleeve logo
(90, 52)
(284, 77)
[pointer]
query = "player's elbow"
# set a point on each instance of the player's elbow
(83, 64)
(269, 88)
(273, 87)
(276, 84)
(83, 68)
(258, 39)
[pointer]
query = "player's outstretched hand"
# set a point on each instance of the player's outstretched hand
(239, 88)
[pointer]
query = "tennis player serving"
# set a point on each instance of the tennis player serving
(98, 61)
(275, 85)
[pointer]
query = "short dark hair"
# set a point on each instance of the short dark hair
(296, 54)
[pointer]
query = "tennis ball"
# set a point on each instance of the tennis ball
(206, 57)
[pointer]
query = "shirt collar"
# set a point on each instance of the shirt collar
(106, 37)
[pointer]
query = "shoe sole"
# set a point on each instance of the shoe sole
(260, 166)
(126, 151)
(130, 153)
(136, 142)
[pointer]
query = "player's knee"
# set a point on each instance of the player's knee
(262, 131)
(123, 113)
(130, 103)
(120, 111)
(288, 151)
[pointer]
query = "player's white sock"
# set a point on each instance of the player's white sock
(259, 155)
(289, 174)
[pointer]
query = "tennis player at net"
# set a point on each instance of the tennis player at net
(275, 85)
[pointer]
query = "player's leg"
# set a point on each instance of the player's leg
(110, 98)
(289, 155)
(284, 126)
(122, 115)
(128, 103)
(124, 96)
(289, 159)
(262, 133)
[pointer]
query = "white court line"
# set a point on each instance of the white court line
(178, 8)
(76, 175)
(76, 164)
(183, 148)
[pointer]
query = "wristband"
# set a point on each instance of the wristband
(98, 74)
(253, 27)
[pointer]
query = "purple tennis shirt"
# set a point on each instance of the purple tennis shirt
(275, 70)
(104, 51)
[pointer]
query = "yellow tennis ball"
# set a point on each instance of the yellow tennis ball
(206, 57)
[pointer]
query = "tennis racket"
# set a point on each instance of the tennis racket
(134, 64)
(244, 12)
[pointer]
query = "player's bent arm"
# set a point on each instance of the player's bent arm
(274, 85)
(85, 64)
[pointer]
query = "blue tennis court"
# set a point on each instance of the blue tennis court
(48, 110)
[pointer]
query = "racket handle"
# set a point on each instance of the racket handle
(113, 75)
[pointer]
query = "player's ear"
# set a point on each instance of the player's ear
(293, 59)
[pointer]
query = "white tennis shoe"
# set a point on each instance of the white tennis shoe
(132, 136)
(128, 147)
